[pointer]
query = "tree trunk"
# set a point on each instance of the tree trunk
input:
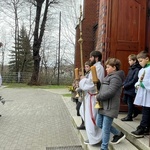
(38, 35)
(37, 45)
(35, 74)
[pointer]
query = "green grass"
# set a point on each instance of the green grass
(22, 85)
(67, 95)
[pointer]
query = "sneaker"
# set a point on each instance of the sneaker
(86, 142)
(118, 138)
(140, 132)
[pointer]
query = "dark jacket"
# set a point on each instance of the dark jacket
(109, 94)
(131, 79)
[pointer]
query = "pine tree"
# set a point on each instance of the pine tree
(21, 57)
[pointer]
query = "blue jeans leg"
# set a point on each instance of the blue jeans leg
(107, 122)
(114, 131)
(99, 120)
(107, 127)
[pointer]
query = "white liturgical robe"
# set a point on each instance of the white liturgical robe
(143, 93)
(86, 84)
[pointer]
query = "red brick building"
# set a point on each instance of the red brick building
(117, 28)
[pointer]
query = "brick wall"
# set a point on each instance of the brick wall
(88, 33)
(94, 34)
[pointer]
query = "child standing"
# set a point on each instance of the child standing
(109, 97)
(75, 85)
(129, 89)
(87, 69)
(143, 94)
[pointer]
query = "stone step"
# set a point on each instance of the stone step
(127, 127)
(124, 145)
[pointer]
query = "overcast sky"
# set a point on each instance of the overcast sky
(69, 19)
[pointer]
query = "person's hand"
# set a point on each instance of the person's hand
(81, 77)
(137, 87)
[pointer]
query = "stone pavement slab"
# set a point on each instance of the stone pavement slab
(35, 119)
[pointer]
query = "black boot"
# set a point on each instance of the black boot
(140, 131)
(127, 119)
(82, 126)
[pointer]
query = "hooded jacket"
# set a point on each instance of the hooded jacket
(110, 92)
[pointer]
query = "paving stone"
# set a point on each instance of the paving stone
(33, 119)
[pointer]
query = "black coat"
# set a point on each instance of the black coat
(131, 79)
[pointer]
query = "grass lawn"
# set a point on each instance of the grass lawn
(67, 95)
(22, 85)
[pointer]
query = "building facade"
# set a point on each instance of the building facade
(117, 28)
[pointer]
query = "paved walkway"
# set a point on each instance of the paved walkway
(36, 119)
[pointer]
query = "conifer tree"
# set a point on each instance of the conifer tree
(21, 57)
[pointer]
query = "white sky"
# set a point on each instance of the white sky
(67, 27)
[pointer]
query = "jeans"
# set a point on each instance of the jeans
(105, 123)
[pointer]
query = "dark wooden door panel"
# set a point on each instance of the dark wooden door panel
(121, 30)
(124, 59)
(128, 24)
(148, 27)
(128, 20)
(127, 46)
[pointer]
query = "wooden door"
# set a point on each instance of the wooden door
(148, 27)
(128, 25)
(127, 30)
(121, 30)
